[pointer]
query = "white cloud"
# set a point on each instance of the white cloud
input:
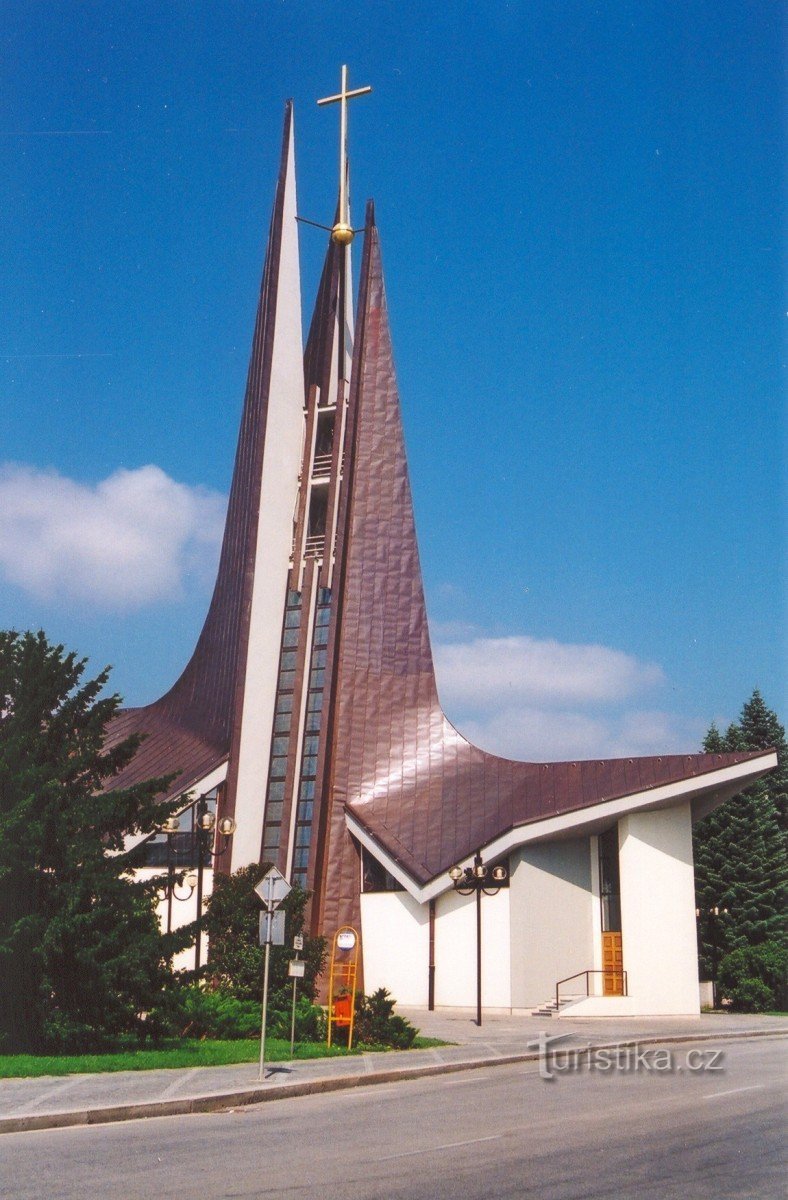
(541, 699)
(543, 735)
(504, 670)
(133, 539)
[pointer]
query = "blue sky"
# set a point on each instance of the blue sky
(580, 209)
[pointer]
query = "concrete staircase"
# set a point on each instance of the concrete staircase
(550, 1008)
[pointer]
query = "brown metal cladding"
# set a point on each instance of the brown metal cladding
(335, 870)
(191, 729)
(422, 791)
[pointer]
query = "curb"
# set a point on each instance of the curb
(261, 1093)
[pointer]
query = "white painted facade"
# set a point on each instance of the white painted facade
(183, 911)
(279, 489)
(455, 951)
(554, 914)
(395, 938)
(395, 943)
(658, 910)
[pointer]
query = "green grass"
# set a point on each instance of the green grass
(186, 1053)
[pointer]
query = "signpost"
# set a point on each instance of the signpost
(296, 969)
(272, 889)
(277, 928)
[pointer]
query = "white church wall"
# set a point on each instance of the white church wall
(455, 951)
(658, 911)
(183, 911)
(395, 945)
(554, 912)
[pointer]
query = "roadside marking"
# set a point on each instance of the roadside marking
(178, 1083)
(63, 1086)
(495, 1137)
(754, 1087)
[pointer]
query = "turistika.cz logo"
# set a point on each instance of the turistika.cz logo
(620, 1057)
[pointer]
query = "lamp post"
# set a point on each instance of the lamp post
(205, 826)
(474, 880)
(170, 888)
(711, 916)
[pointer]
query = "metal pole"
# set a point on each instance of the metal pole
(268, 920)
(265, 1000)
(431, 970)
(478, 955)
(170, 885)
(197, 947)
(292, 1019)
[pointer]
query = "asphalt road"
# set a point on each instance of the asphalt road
(493, 1133)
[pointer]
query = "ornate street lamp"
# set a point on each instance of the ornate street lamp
(710, 918)
(205, 828)
(170, 888)
(469, 881)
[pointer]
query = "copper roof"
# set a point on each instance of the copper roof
(422, 790)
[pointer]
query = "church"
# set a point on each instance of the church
(308, 718)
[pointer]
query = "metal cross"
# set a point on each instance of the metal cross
(342, 97)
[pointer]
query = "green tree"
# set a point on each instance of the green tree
(81, 956)
(759, 729)
(235, 957)
(740, 848)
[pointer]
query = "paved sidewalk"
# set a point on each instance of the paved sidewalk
(52, 1101)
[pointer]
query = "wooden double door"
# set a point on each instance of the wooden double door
(612, 964)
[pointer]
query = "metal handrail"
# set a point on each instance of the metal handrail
(622, 975)
(322, 464)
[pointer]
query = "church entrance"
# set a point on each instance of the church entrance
(612, 949)
(612, 963)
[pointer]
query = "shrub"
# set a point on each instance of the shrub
(751, 996)
(377, 1024)
(310, 1023)
(753, 978)
(217, 1014)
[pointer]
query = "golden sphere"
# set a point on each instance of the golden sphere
(342, 234)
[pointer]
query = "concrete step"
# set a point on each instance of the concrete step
(550, 1008)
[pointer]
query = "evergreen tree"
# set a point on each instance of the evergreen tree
(81, 957)
(760, 730)
(740, 849)
(235, 959)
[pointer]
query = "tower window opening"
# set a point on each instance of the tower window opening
(318, 506)
(324, 443)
